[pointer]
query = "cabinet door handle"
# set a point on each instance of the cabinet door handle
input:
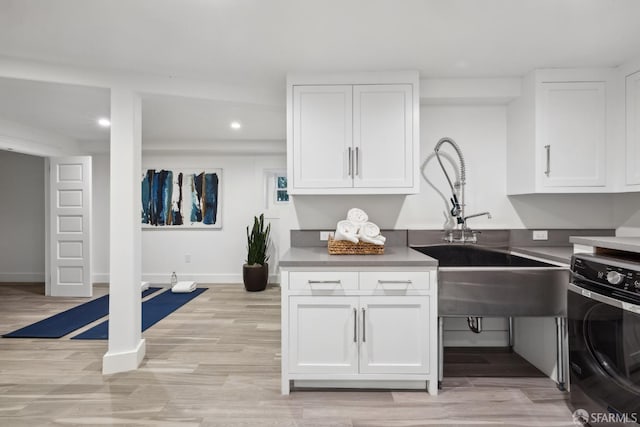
(364, 325)
(548, 169)
(355, 325)
(337, 282)
(357, 161)
(350, 161)
(406, 282)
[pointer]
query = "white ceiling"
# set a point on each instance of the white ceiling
(65, 110)
(170, 118)
(254, 43)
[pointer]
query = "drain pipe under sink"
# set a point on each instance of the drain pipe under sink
(475, 324)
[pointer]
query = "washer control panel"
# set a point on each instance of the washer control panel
(610, 273)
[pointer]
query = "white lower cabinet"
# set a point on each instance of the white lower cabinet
(323, 335)
(395, 334)
(361, 329)
(380, 334)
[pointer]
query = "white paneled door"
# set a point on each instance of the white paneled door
(322, 137)
(573, 131)
(323, 335)
(394, 335)
(383, 136)
(70, 226)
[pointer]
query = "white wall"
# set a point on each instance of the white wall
(627, 213)
(217, 255)
(22, 218)
(100, 220)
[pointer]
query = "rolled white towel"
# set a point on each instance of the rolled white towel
(373, 240)
(346, 230)
(369, 229)
(184, 287)
(370, 232)
(357, 216)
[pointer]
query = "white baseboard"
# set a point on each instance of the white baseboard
(163, 278)
(369, 384)
(123, 361)
(100, 277)
(22, 277)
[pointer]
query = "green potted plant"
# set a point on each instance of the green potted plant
(255, 273)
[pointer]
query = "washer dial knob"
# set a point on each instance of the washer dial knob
(614, 277)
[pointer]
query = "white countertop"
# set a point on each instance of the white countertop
(394, 256)
(629, 244)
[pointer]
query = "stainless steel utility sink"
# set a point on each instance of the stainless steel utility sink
(478, 281)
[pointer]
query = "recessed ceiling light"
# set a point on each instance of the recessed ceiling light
(104, 122)
(235, 125)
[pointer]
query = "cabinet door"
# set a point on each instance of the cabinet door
(383, 136)
(571, 140)
(323, 335)
(633, 128)
(322, 136)
(394, 335)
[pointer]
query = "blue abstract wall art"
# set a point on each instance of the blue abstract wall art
(181, 199)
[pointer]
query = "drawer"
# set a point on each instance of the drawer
(394, 280)
(323, 280)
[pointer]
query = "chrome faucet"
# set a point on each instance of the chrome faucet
(466, 235)
(488, 214)
(457, 188)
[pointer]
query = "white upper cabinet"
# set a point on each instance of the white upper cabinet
(632, 89)
(322, 135)
(572, 131)
(353, 134)
(382, 136)
(557, 133)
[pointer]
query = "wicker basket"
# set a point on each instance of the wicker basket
(345, 247)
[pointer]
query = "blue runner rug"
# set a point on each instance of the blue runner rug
(68, 321)
(153, 311)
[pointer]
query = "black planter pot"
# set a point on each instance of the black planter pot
(255, 277)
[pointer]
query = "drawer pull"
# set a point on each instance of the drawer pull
(387, 282)
(324, 285)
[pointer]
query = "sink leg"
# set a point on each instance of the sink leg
(510, 332)
(440, 351)
(560, 332)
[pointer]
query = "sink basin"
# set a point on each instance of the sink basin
(476, 256)
(478, 281)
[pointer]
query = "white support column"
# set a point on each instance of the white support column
(126, 346)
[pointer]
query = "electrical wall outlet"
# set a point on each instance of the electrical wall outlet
(187, 258)
(540, 235)
(324, 235)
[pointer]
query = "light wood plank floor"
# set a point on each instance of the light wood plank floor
(216, 362)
